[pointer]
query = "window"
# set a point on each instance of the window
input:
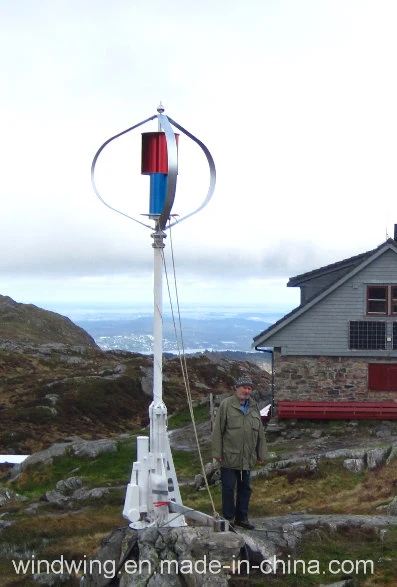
(394, 336)
(381, 300)
(367, 335)
(382, 377)
(377, 299)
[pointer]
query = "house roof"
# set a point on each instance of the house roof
(352, 265)
(346, 263)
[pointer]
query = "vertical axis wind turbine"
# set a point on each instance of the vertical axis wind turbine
(153, 486)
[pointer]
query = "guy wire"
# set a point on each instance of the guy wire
(182, 359)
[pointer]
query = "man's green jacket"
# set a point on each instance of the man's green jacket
(238, 439)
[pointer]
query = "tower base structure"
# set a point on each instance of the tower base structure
(153, 483)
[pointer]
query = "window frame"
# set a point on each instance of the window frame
(393, 298)
(383, 300)
(394, 336)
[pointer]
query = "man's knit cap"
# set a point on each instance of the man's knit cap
(244, 380)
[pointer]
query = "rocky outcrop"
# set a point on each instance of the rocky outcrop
(392, 507)
(72, 489)
(354, 465)
(166, 556)
(78, 447)
(7, 495)
(355, 460)
(377, 456)
(199, 556)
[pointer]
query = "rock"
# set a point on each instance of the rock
(383, 431)
(56, 497)
(4, 524)
(347, 453)
(312, 465)
(210, 468)
(198, 482)
(81, 448)
(258, 548)
(216, 477)
(43, 457)
(147, 380)
(144, 556)
(98, 492)
(377, 456)
(293, 534)
(6, 495)
(392, 455)
(166, 557)
(203, 540)
(92, 448)
(51, 579)
(71, 489)
(213, 475)
(184, 438)
(392, 508)
(32, 509)
(47, 409)
(67, 486)
(292, 464)
(287, 463)
(103, 564)
(53, 398)
(354, 465)
(83, 494)
(293, 434)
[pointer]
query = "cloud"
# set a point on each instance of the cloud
(295, 102)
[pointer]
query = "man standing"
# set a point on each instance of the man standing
(238, 443)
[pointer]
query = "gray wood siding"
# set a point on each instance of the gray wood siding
(324, 328)
(314, 286)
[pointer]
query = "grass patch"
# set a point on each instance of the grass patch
(324, 490)
(186, 464)
(77, 535)
(105, 469)
(329, 490)
(199, 500)
(364, 556)
(183, 418)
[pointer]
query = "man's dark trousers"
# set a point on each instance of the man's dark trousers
(229, 478)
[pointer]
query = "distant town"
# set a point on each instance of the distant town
(202, 329)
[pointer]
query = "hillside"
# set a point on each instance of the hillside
(56, 383)
(26, 323)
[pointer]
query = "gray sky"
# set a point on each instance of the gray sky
(295, 100)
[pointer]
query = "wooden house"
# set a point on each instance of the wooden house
(335, 356)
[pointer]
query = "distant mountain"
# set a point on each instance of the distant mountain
(26, 323)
